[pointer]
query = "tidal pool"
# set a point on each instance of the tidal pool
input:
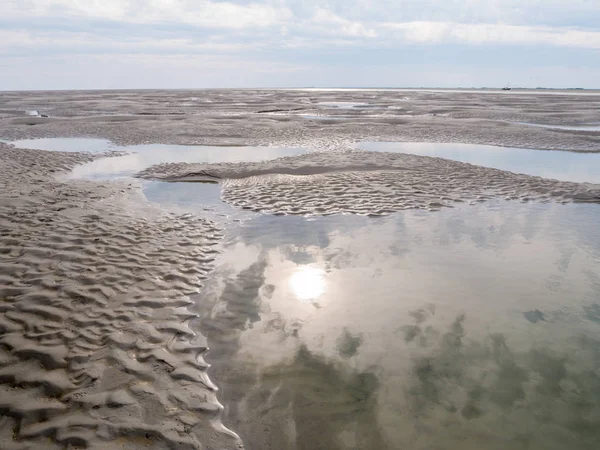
(344, 105)
(476, 327)
(67, 144)
(559, 165)
(590, 127)
(138, 157)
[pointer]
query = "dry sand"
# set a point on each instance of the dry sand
(95, 344)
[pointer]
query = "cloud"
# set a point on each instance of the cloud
(337, 25)
(23, 43)
(300, 32)
(482, 34)
(194, 12)
(514, 12)
(193, 25)
(140, 71)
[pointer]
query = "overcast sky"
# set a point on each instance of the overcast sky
(103, 44)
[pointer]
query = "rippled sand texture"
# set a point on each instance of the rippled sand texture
(94, 339)
(96, 347)
(367, 183)
(276, 117)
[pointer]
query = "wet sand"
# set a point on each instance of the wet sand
(367, 183)
(96, 344)
(264, 117)
(94, 328)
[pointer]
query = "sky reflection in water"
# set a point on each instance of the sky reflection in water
(478, 324)
(194, 197)
(559, 165)
(308, 283)
(140, 157)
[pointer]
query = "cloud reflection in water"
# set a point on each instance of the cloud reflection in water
(308, 283)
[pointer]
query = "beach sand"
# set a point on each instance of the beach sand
(374, 184)
(94, 334)
(96, 348)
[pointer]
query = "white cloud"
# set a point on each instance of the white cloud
(286, 23)
(142, 71)
(515, 12)
(338, 25)
(15, 43)
(481, 34)
(193, 12)
(272, 31)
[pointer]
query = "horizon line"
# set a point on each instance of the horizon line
(399, 88)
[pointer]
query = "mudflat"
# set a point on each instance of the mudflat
(113, 307)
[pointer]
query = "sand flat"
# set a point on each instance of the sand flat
(110, 303)
(92, 333)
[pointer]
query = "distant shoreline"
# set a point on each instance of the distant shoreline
(570, 90)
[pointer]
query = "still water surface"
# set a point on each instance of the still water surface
(191, 196)
(140, 157)
(588, 127)
(470, 328)
(558, 165)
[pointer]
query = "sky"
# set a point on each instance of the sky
(146, 44)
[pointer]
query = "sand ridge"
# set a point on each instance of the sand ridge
(95, 344)
(373, 183)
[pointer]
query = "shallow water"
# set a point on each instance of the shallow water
(477, 327)
(564, 127)
(565, 166)
(203, 199)
(66, 144)
(327, 117)
(514, 91)
(140, 157)
(559, 165)
(144, 156)
(344, 105)
(194, 196)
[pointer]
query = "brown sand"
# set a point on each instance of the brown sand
(237, 117)
(96, 348)
(368, 183)
(95, 343)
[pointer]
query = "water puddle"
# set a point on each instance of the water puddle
(328, 117)
(590, 127)
(344, 105)
(514, 91)
(558, 165)
(358, 333)
(192, 196)
(66, 144)
(140, 157)
(143, 156)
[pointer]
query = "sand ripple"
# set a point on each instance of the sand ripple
(95, 347)
(368, 183)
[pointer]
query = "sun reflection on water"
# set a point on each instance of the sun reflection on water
(308, 283)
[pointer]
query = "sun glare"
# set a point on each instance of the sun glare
(308, 283)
